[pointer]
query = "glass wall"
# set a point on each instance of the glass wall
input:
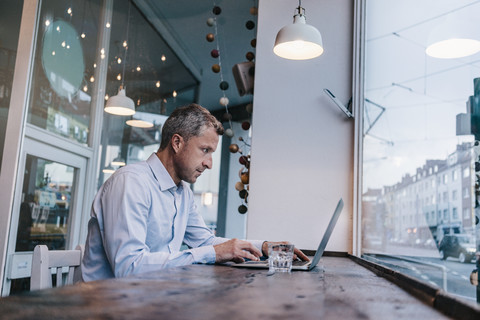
(60, 99)
(10, 15)
(421, 142)
(153, 77)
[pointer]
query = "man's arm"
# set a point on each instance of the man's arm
(126, 203)
(199, 235)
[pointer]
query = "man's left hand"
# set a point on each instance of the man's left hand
(297, 254)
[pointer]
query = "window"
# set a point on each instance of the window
(466, 172)
(63, 75)
(445, 215)
(45, 211)
(147, 56)
(454, 214)
(411, 103)
(466, 192)
(454, 195)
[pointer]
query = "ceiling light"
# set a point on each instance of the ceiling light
(118, 161)
(120, 105)
(298, 41)
(139, 123)
(108, 169)
(455, 37)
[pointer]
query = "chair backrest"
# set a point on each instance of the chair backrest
(45, 260)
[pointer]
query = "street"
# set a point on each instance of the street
(449, 273)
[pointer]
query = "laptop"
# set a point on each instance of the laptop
(303, 265)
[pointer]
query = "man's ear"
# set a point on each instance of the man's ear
(177, 142)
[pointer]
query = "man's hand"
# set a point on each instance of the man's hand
(297, 254)
(236, 250)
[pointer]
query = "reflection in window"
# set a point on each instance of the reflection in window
(420, 125)
(155, 79)
(45, 209)
(10, 15)
(63, 80)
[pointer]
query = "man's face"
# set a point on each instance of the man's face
(195, 155)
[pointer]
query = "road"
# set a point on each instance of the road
(433, 270)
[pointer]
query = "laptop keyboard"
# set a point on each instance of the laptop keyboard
(299, 263)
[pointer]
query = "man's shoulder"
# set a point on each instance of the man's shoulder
(137, 167)
(139, 170)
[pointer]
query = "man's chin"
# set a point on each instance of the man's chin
(191, 180)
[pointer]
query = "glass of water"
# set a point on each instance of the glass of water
(280, 257)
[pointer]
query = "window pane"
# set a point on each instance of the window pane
(45, 209)
(152, 76)
(420, 127)
(60, 98)
(10, 15)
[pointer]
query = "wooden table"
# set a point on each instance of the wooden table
(337, 289)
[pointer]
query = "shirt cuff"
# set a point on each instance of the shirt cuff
(205, 254)
(258, 244)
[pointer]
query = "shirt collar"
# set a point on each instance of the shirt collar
(164, 179)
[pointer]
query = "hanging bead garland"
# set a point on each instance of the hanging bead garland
(241, 186)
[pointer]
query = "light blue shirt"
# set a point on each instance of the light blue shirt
(139, 220)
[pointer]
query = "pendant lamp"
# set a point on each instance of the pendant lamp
(118, 161)
(298, 41)
(120, 104)
(139, 123)
(109, 169)
(455, 37)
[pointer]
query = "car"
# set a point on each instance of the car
(461, 246)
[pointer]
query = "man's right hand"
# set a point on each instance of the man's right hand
(237, 251)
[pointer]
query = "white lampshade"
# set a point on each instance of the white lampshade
(118, 161)
(120, 104)
(109, 169)
(453, 38)
(139, 123)
(298, 41)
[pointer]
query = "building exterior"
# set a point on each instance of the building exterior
(437, 200)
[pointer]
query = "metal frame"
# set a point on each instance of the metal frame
(358, 81)
(16, 121)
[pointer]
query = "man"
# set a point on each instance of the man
(145, 211)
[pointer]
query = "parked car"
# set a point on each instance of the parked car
(461, 246)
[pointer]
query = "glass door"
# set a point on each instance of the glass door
(47, 208)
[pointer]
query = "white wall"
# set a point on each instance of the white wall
(302, 145)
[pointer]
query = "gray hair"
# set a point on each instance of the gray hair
(188, 121)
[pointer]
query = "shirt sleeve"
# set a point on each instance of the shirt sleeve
(125, 203)
(201, 238)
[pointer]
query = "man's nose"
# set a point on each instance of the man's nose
(208, 162)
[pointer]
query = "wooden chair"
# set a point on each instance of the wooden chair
(45, 260)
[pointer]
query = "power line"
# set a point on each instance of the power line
(424, 21)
